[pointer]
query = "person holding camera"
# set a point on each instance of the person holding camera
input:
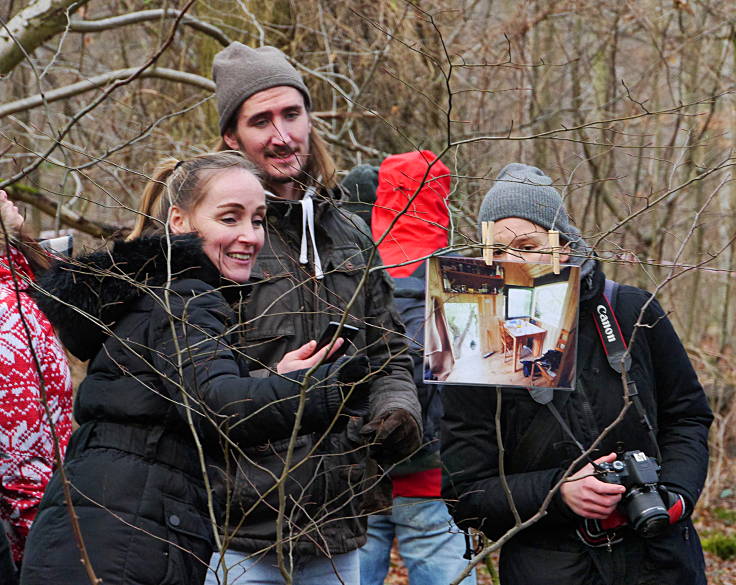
(622, 515)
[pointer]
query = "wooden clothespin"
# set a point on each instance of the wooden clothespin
(554, 245)
(487, 235)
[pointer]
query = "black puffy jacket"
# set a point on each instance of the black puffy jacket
(165, 393)
(549, 551)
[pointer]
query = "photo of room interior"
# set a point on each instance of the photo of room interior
(505, 324)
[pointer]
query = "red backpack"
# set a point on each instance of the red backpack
(422, 228)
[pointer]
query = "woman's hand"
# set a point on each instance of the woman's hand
(590, 497)
(302, 358)
(11, 218)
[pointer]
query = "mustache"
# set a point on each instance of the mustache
(280, 151)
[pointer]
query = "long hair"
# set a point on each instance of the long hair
(182, 183)
(321, 165)
(320, 170)
(37, 257)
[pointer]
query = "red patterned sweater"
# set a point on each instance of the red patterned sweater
(27, 459)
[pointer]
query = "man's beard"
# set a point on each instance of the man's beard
(274, 175)
(281, 179)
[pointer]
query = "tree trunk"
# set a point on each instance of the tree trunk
(31, 27)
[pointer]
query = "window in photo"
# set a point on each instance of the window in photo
(519, 305)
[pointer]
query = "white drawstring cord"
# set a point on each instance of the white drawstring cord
(308, 225)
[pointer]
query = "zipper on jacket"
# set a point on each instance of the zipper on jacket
(588, 411)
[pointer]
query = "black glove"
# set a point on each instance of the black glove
(353, 374)
(394, 434)
(675, 504)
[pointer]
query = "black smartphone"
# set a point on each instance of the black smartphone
(347, 332)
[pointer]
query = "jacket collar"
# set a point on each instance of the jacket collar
(300, 221)
(83, 296)
(290, 210)
(592, 280)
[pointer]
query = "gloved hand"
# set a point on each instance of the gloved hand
(395, 436)
(675, 504)
(352, 373)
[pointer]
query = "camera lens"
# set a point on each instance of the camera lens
(652, 526)
(646, 511)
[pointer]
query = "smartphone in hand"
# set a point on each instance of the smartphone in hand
(347, 332)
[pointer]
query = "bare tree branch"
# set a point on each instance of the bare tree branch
(89, 26)
(31, 27)
(99, 81)
(69, 218)
(118, 83)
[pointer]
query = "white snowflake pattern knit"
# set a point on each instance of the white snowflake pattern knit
(27, 459)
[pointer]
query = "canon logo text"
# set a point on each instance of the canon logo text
(606, 323)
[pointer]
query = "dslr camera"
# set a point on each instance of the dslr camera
(641, 503)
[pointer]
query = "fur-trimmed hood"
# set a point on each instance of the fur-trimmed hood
(84, 296)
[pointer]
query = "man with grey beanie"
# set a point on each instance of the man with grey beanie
(587, 535)
(317, 265)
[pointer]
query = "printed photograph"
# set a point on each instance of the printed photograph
(505, 324)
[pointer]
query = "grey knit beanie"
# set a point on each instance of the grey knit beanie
(524, 191)
(240, 71)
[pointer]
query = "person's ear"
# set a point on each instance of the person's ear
(230, 140)
(179, 221)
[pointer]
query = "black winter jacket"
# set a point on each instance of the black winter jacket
(287, 307)
(548, 551)
(164, 380)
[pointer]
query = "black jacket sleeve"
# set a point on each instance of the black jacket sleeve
(683, 416)
(393, 386)
(203, 374)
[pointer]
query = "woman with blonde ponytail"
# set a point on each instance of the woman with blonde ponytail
(166, 391)
(150, 203)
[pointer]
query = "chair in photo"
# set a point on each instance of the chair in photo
(507, 343)
(546, 369)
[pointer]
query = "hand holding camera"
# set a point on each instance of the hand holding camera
(642, 503)
(637, 500)
(11, 218)
(587, 496)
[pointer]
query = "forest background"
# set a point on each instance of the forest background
(628, 105)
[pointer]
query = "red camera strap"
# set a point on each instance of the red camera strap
(618, 354)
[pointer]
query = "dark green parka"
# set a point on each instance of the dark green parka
(287, 306)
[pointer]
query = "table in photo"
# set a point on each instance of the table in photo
(521, 335)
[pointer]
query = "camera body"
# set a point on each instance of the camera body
(641, 504)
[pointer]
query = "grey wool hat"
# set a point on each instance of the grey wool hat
(240, 71)
(524, 191)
